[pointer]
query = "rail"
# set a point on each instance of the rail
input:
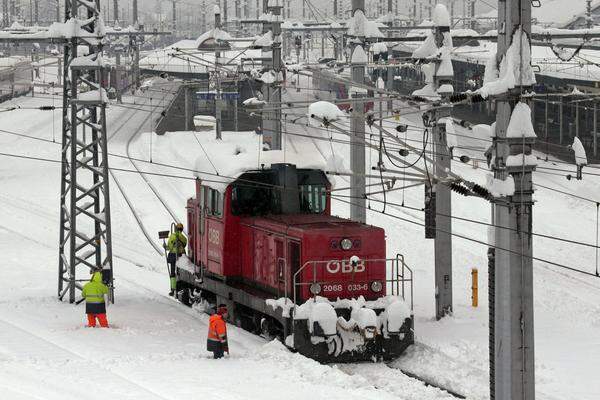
(148, 235)
(400, 279)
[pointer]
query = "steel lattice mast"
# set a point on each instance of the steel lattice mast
(85, 225)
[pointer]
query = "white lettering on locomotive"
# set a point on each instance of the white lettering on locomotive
(214, 236)
(345, 266)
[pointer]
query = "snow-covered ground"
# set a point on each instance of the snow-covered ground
(156, 348)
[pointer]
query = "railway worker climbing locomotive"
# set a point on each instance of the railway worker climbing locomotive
(176, 247)
(266, 247)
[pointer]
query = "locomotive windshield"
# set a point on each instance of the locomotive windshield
(281, 190)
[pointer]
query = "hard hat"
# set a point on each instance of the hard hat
(222, 309)
(179, 226)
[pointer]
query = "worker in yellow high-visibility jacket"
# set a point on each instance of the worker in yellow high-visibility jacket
(94, 293)
(176, 247)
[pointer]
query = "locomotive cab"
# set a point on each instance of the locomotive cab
(268, 246)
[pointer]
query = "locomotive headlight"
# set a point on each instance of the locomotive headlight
(346, 244)
(315, 288)
(376, 286)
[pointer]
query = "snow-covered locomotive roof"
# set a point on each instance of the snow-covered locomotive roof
(239, 152)
(220, 162)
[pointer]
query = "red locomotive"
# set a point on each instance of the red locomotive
(270, 249)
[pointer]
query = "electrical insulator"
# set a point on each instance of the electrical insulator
(458, 188)
(401, 128)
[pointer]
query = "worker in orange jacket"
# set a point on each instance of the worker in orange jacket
(217, 333)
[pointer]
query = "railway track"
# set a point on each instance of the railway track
(157, 248)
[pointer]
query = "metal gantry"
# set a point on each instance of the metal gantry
(85, 221)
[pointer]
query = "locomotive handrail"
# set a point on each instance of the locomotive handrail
(398, 279)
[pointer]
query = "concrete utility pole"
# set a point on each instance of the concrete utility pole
(358, 208)
(85, 239)
(118, 75)
(442, 82)
(116, 10)
(219, 125)
(174, 18)
(272, 91)
(589, 19)
(512, 331)
(135, 13)
(5, 18)
(225, 10)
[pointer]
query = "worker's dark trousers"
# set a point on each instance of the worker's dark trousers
(172, 259)
(218, 353)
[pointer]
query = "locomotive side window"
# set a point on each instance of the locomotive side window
(202, 208)
(313, 198)
(252, 200)
(216, 202)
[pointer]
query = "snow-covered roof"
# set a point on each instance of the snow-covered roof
(219, 162)
(173, 59)
(360, 26)
(559, 12)
(213, 34)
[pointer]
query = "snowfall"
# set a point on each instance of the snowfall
(155, 348)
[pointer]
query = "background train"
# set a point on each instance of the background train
(270, 249)
(16, 77)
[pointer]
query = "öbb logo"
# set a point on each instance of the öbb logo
(345, 266)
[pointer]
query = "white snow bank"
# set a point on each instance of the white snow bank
(580, 156)
(451, 138)
(427, 49)
(379, 47)
(360, 26)
(441, 17)
(500, 188)
(428, 92)
(325, 315)
(364, 317)
(265, 40)
(396, 313)
(359, 56)
(482, 131)
(94, 95)
(215, 33)
(218, 162)
(284, 303)
(90, 61)
(253, 102)
(515, 68)
(520, 125)
(445, 69)
(323, 111)
(520, 160)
